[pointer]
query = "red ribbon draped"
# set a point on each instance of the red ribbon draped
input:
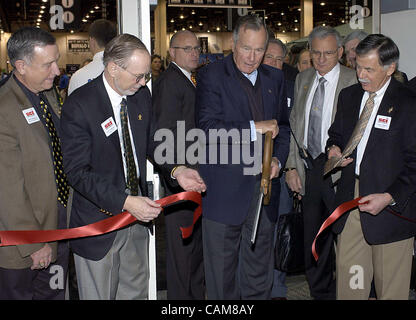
(13, 238)
(338, 212)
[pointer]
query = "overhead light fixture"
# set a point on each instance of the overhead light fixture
(322, 3)
(84, 20)
(181, 16)
(39, 20)
(91, 11)
(44, 0)
(96, 7)
(193, 12)
(218, 29)
(200, 24)
(330, 13)
(172, 21)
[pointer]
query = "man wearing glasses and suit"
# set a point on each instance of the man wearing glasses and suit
(107, 134)
(316, 96)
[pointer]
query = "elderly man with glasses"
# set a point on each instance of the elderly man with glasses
(316, 96)
(107, 134)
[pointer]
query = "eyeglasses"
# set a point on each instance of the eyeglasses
(326, 54)
(189, 49)
(146, 76)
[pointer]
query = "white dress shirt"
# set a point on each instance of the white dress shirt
(115, 100)
(87, 73)
(363, 142)
(330, 87)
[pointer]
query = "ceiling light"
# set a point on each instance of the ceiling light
(218, 29)
(39, 20)
(172, 21)
(193, 12)
(84, 20)
(41, 11)
(200, 24)
(330, 13)
(181, 16)
(42, 7)
(322, 3)
(87, 16)
(96, 7)
(91, 11)
(72, 31)
(44, 0)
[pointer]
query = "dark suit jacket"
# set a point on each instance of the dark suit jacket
(388, 164)
(174, 100)
(221, 103)
(93, 161)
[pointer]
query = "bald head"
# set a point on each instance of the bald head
(185, 49)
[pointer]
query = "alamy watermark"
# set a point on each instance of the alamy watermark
(219, 146)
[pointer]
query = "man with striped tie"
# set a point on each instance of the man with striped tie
(373, 140)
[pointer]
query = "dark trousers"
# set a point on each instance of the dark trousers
(43, 284)
(234, 269)
(317, 205)
(184, 257)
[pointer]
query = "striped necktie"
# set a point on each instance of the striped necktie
(132, 181)
(60, 177)
(356, 136)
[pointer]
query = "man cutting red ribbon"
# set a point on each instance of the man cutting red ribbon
(107, 134)
(373, 140)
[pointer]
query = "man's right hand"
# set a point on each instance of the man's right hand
(41, 258)
(142, 208)
(293, 181)
(266, 126)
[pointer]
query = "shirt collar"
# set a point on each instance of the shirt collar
(98, 56)
(185, 72)
(115, 98)
(331, 75)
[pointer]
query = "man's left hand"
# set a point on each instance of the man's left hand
(189, 179)
(374, 203)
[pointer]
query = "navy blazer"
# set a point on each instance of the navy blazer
(221, 103)
(388, 164)
(93, 162)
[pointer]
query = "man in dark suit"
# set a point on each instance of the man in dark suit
(31, 198)
(174, 100)
(106, 136)
(235, 98)
(374, 134)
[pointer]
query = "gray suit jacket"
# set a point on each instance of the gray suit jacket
(303, 85)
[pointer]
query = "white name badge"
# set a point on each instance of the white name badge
(382, 122)
(109, 126)
(31, 115)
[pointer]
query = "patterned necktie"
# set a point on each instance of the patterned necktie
(132, 181)
(193, 78)
(315, 120)
(356, 136)
(60, 177)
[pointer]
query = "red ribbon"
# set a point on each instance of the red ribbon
(13, 238)
(338, 212)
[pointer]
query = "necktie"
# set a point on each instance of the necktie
(356, 136)
(132, 181)
(193, 78)
(60, 177)
(315, 120)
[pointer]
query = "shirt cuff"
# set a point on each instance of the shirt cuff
(253, 134)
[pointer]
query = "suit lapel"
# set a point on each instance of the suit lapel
(235, 90)
(305, 88)
(105, 110)
(178, 71)
(387, 102)
(38, 128)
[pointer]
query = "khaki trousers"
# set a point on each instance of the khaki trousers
(358, 262)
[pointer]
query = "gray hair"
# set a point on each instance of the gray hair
(322, 32)
(120, 49)
(250, 22)
(357, 34)
(280, 44)
(22, 43)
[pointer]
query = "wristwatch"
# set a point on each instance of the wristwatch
(392, 202)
